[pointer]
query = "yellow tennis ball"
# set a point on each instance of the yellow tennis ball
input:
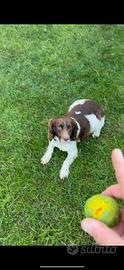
(103, 208)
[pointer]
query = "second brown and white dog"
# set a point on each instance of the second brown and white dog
(83, 118)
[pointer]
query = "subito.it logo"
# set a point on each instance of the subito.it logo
(72, 250)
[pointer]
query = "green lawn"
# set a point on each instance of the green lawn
(43, 69)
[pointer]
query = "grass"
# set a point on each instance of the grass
(43, 69)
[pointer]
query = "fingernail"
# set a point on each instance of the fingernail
(119, 152)
(87, 226)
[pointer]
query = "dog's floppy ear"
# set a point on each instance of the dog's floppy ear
(74, 132)
(51, 129)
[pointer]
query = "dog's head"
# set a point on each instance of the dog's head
(64, 128)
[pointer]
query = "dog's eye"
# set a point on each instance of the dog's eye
(60, 127)
(68, 126)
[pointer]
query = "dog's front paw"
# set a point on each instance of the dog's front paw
(45, 159)
(96, 134)
(64, 172)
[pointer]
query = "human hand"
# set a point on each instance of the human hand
(102, 234)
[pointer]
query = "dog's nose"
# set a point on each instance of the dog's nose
(66, 139)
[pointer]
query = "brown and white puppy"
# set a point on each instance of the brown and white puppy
(84, 117)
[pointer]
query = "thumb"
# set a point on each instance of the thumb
(118, 164)
(102, 234)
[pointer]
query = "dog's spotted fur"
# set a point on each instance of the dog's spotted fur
(83, 118)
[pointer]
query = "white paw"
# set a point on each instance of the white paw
(96, 134)
(64, 172)
(45, 159)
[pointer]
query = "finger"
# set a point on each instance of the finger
(102, 234)
(119, 228)
(113, 191)
(118, 164)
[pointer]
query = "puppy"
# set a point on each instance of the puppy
(83, 118)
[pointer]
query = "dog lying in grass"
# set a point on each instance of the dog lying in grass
(85, 117)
